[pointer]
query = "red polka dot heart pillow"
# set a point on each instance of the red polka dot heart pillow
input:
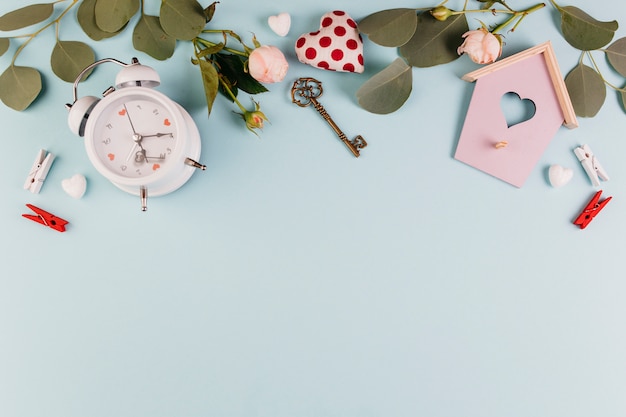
(336, 46)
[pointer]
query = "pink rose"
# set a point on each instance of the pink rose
(482, 46)
(267, 64)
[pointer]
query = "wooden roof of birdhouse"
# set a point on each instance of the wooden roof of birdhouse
(569, 116)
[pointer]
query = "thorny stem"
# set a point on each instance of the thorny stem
(204, 42)
(230, 93)
(521, 15)
(54, 22)
(556, 6)
(225, 33)
(507, 6)
(514, 14)
(492, 11)
(440, 4)
(220, 78)
(595, 65)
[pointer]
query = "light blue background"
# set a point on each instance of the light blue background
(292, 279)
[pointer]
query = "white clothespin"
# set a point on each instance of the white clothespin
(591, 165)
(39, 171)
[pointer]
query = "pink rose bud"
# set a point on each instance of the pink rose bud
(267, 64)
(482, 46)
(254, 119)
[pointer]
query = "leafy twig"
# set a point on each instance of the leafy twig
(597, 68)
(33, 35)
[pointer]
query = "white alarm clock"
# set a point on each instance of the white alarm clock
(138, 138)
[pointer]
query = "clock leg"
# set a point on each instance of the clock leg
(195, 164)
(143, 194)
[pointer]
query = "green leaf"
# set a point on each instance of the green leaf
(113, 15)
(182, 19)
(210, 80)
(623, 96)
(149, 37)
(232, 67)
(387, 91)
(19, 86)
(26, 16)
(4, 45)
(616, 54)
(393, 27)
(210, 50)
(586, 90)
(434, 42)
(583, 31)
(69, 58)
(86, 16)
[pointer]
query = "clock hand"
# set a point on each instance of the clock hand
(158, 135)
(141, 156)
(132, 151)
(130, 121)
(137, 138)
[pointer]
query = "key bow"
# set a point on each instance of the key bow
(305, 90)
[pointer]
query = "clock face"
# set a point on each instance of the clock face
(135, 136)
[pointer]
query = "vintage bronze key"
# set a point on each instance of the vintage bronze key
(305, 92)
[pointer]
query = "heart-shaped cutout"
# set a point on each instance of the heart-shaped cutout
(516, 110)
(335, 46)
(122, 112)
(166, 122)
(559, 176)
(280, 23)
(75, 186)
(155, 167)
(111, 156)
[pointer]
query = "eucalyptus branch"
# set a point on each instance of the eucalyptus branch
(33, 35)
(597, 68)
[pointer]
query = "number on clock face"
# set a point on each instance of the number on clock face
(135, 137)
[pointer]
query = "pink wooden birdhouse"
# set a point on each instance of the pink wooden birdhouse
(510, 152)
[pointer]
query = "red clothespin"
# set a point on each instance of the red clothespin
(45, 218)
(591, 209)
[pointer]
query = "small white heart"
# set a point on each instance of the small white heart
(75, 186)
(559, 176)
(280, 23)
